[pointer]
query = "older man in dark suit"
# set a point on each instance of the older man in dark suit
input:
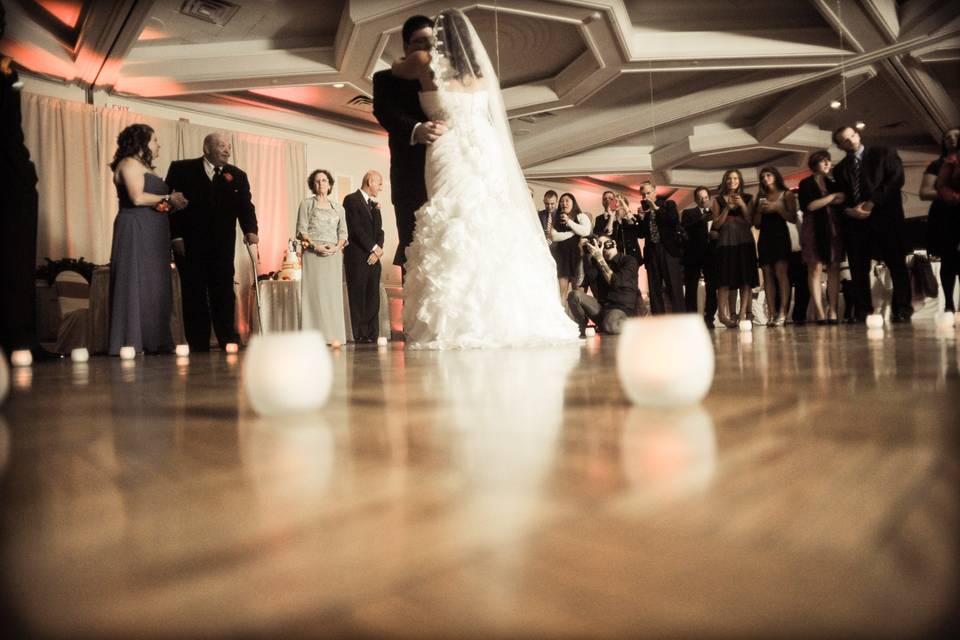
(661, 250)
(204, 236)
(361, 257)
(871, 179)
(396, 105)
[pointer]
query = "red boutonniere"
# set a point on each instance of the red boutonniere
(228, 176)
(163, 206)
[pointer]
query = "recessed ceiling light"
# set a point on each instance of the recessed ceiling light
(836, 104)
(860, 125)
(338, 85)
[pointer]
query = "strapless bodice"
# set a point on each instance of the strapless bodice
(453, 105)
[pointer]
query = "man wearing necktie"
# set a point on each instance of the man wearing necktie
(204, 237)
(361, 257)
(699, 256)
(871, 179)
(661, 250)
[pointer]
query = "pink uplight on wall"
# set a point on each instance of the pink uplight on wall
(63, 10)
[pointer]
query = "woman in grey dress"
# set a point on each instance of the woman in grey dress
(140, 293)
(322, 230)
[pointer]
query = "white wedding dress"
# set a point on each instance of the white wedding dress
(479, 270)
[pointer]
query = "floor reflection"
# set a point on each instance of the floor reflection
(668, 453)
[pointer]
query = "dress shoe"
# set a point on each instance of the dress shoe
(900, 317)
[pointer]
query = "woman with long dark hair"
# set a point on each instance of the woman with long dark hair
(773, 208)
(941, 185)
(820, 239)
(736, 252)
(140, 292)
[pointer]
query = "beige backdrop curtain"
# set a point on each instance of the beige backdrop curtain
(62, 139)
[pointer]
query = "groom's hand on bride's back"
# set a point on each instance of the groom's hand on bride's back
(429, 131)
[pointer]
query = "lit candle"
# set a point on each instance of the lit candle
(665, 360)
(21, 358)
(945, 319)
(589, 332)
(127, 353)
(875, 321)
(746, 325)
(232, 347)
(182, 350)
(382, 341)
(80, 354)
(286, 372)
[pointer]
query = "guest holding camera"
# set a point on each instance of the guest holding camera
(774, 207)
(612, 277)
(662, 251)
(736, 252)
(322, 230)
(140, 291)
(572, 224)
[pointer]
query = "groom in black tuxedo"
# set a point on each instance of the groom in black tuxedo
(204, 235)
(396, 105)
(361, 257)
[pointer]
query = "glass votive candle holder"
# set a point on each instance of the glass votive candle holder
(21, 358)
(875, 321)
(303, 359)
(80, 354)
(232, 347)
(182, 350)
(746, 325)
(382, 341)
(127, 353)
(665, 361)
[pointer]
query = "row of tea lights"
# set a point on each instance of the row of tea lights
(24, 358)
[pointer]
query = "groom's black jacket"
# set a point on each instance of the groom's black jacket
(396, 105)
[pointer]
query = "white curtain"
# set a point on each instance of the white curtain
(72, 144)
(62, 139)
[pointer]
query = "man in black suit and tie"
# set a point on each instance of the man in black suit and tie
(661, 250)
(699, 256)
(396, 105)
(204, 235)
(361, 257)
(871, 179)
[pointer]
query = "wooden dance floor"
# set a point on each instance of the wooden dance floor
(491, 494)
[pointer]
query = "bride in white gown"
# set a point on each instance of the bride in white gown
(479, 271)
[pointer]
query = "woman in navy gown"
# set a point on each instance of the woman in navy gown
(140, 292)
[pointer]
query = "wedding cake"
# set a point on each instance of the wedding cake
(290, 270)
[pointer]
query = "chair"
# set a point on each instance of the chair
(73, 294)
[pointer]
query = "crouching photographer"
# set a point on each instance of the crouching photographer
(612, 277)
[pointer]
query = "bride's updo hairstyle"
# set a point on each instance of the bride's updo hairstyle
(454, 43)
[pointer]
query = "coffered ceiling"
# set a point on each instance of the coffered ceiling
(616, 89)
